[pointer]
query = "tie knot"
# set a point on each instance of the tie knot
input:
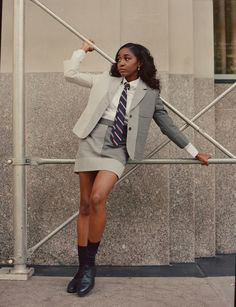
(127, 86)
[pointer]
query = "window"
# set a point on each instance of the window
(225, 38)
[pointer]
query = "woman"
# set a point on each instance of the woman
(113, 128)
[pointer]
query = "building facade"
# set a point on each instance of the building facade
(158, 214)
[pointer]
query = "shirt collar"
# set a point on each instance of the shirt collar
(133, 84)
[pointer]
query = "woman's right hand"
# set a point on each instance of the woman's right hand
(87, 47)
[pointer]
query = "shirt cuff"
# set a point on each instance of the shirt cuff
(192, 150)
(79, 54)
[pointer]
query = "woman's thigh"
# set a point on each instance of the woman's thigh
(103, 184)
(86, 183)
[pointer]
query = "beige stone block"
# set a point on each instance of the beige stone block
(48, 43)
(181, 37)
(203, 38)
(146, 23)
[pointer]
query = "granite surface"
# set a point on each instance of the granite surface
(204, 182)
(6, 181)
(181, 202)
(225, 200)
(158, 214)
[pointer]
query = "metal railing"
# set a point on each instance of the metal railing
(20, 271)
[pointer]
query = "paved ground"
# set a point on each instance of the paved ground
(121, 292)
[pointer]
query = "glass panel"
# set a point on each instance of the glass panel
(225, 36)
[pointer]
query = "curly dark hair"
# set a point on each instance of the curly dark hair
(147, 70)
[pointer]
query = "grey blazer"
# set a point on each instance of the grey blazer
(145, 106)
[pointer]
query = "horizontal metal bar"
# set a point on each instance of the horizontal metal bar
(182, 161)
(71, 29)
(41, 161)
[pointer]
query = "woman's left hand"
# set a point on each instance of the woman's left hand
(203, 157)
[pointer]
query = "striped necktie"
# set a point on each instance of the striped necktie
(117, 132)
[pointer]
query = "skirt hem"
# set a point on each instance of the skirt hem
(98, 164)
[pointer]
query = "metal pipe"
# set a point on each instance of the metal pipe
(199, 130)
(182, 161)
(210, 105)
(20, 233)
(53, 233)
(71, 29)
(42, 161)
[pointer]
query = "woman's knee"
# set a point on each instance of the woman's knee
(97, 201)
(84, 207)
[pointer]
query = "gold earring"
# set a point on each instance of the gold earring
(138, 68)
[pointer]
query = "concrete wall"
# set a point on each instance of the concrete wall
(159, 214)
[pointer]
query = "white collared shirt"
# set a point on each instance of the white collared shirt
(111, 109)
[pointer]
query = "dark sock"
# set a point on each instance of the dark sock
(83, 255)
(92, 251)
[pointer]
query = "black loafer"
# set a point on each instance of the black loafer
(87, 281)
(73, 284)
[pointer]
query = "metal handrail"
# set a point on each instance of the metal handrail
(46, 161)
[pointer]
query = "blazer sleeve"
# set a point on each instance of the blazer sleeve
(165, 122)
(72, 73)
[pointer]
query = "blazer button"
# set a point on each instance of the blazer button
(130, 128)
(130, 116)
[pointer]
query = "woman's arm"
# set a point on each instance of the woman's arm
(71, 68)
(164, 121)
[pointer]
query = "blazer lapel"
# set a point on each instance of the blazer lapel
(139, 94)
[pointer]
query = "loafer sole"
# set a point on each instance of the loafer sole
(71, 290)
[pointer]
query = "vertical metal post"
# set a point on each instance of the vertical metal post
(19, 140)
(20, 211)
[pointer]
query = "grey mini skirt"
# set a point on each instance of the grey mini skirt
(97, 152)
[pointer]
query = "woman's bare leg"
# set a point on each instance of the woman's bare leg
(102, 186)
(86, 184)
(94, 188)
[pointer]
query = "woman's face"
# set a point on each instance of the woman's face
(127, 64)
